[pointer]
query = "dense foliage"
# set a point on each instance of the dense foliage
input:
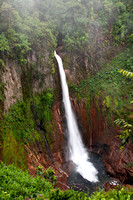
(19, 127)
(25, 26)
(29, 27)
(108, 82)
(16, 184)
(21, 30)
(114, 90)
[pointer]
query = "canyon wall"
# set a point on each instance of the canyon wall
(22, 81)
(103, 138)
(97, 136)
(39, 71)
(54, 155)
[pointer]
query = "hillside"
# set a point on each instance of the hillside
(95, 41)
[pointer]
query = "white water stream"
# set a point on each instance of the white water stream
(78, 153)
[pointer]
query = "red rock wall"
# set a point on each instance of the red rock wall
(104, 139)
(97, 136)
(37, 157)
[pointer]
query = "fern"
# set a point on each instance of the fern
(126, 73)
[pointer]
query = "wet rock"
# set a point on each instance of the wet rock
(105, 141)
(113, 184)
(93, 133)
(55, 157)
(117, 162)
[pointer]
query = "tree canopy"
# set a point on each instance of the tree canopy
(24, 24)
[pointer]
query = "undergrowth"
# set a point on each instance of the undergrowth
(109, 86)
(19, 127)
(16, 184)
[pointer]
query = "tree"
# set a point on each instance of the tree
(6, 16)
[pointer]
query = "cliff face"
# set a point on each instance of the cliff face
(22, 81)
(54, 155)
(81, 64)
(104, 139)
(97, 136)
(39, 73)
(34, 69)
(13, 86)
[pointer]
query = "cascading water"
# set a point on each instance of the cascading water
(78, 153)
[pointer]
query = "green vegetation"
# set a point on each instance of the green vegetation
(126, 128)
(21, 31)
(13, 152)
(38, 24)
(19, 121)
(19, 127)
(41, 106)
(112, 91)
(47, 174)
(126, 73)
(36, 27)
(108, 84)
(30, 30)
(121, 194)
(126, 131)
(4, 45)
(16, 184)
(19, 185)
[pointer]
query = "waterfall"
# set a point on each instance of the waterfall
(77, 152)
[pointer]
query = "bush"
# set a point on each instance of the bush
(47, 174)
(16, 184)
